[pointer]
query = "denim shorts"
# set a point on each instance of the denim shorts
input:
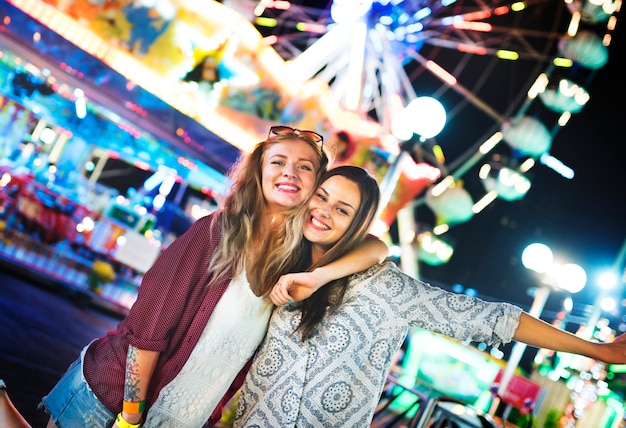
(72, 404)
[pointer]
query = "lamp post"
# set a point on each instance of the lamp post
(606, 282)
(425, 117)
(570, 277)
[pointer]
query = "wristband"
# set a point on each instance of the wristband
(133, 407)
(121, 422)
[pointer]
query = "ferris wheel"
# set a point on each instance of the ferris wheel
(480, 59)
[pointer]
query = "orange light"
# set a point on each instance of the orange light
(502, 10)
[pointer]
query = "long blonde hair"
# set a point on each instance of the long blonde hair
(265, 254)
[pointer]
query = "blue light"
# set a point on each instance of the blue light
(422, 13)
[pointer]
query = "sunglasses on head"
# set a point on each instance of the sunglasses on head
(287, 130)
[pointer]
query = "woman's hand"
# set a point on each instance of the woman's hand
(613, 352)
(295, 287)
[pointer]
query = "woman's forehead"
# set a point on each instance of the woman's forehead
(342, 188)
(292, 147)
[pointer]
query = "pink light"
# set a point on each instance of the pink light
(478, 50)
(269, 40)
(441, 73)
(280, 4)
(187, 163)
(311, 28)
(207, 191)
(474, 16)
(142, 165)
(474, 26)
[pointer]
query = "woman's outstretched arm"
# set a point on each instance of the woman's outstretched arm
(540, 334)
(298, 286)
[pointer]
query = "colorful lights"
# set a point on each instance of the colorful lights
(136, 108)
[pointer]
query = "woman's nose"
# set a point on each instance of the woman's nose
(289, 171)
(324, 210)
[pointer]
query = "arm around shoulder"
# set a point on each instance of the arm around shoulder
(371, 251)
(299, 286)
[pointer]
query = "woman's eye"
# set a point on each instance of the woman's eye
(321, 196)
(342, 211)
(306, 168)
(277, 162)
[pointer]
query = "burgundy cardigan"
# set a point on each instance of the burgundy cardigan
(175, 301)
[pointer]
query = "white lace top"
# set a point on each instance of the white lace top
(236, 328)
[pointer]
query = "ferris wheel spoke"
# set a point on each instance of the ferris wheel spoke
(326, 49)
(452, 82)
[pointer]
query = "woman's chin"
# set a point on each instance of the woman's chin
(311, 234)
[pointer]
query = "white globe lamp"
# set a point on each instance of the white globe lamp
(537, 257)
(424, 116)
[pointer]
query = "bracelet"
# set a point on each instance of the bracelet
(133, 407)
(121, 422)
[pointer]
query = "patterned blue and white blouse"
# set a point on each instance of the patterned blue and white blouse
(336, 376)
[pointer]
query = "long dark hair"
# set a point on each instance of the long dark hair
(329, 297)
